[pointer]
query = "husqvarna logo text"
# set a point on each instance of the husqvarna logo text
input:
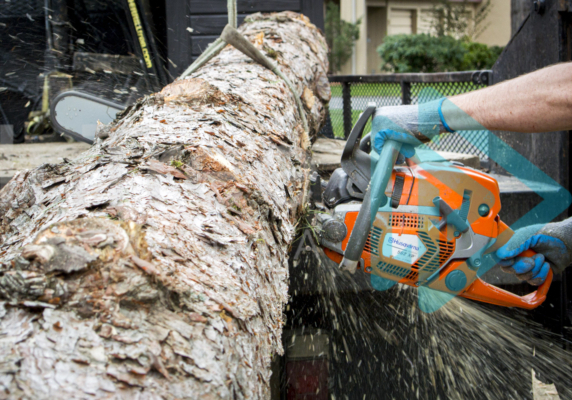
(393, 241)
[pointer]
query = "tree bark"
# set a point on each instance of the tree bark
(155, 264)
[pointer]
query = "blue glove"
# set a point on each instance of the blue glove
(409, 142)
(410, 125)
(532, 269)
(550, 241)
(421, 122)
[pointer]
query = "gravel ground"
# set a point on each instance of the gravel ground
(16, 157)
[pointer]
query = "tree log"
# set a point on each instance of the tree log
(155, 264)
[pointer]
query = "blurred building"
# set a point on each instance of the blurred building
(391, 17)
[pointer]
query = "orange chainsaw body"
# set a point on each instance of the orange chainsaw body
(406, 245)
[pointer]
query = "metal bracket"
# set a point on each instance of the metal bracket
(484, 77)
(476, 260)
(539, 6)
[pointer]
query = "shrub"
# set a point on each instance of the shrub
(421, 53)
(480, 56)
(425, 53)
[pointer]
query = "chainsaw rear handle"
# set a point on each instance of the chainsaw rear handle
(374, 198)
(486, 293)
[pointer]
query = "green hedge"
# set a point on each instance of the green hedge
(480, 56)
(425, 53)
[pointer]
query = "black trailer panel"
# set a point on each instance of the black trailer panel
(544, 38)
(194, 24)
(245, 6)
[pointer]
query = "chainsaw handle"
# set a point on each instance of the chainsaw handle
(355, 162)
(373, 199)
(487, 293)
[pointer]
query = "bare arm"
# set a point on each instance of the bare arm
(537, 102)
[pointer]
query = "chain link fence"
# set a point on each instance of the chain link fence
(351, 95)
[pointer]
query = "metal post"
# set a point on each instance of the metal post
(405, 92)
(328, 129)
(347, 108)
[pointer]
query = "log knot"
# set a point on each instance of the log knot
(64, 250)
(193, 92)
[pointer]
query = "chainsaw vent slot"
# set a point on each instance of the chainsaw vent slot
(398, 220)
(435, 256)
(372, 242)
(428, 262)
(446, 249)
(392, 269)
(412, 277)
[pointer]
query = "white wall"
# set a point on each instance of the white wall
(498, 21)
(351, 11)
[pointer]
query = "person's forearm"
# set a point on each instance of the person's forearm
(537, 102)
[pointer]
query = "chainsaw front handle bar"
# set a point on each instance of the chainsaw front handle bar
(373, 199)
(486, 293)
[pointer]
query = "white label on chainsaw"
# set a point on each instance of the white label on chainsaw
(404, 248)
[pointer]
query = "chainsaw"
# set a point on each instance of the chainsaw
(424, 224)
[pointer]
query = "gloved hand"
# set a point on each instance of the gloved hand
(409, 142)
(552, 242)
(413, 125)
(410, 125)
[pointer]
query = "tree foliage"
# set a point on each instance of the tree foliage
(456, 19)
(341, 37)
(421, 53)
(426, 53)
(479, 55)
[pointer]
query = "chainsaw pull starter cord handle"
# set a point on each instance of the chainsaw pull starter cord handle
(487, 293)
(373, 199)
